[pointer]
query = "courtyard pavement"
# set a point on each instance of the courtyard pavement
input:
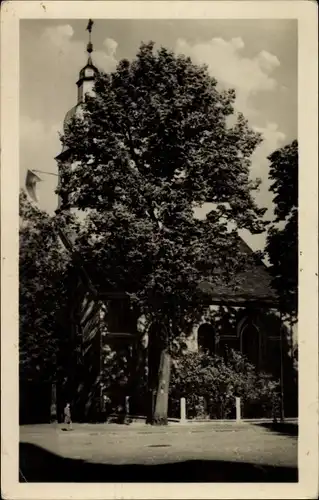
(222, 452)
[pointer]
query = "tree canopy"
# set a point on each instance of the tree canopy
(156, 140)
(282, 240)
(43, 293)
(284, 174)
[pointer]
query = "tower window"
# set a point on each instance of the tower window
(89, 72)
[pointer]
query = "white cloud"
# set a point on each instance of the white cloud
(268, 62)
(59, 34)
(71, 52)
(226, 63)
(111, 46)
(237, 43)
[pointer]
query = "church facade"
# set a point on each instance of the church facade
(105, 329)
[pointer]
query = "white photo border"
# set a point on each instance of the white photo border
(306, 14)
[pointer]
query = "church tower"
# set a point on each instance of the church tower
(85, 86)
(87, 75)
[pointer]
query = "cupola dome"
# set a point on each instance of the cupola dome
(89, 71)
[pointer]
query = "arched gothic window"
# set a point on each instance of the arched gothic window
(206, 338)
(119, 316)
(250, 343)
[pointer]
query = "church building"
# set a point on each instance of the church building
(104, 328)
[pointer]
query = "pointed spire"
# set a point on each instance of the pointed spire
(89, 47)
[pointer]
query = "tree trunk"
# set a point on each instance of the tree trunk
(161, 402)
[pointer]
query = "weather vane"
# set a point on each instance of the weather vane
(89, 28)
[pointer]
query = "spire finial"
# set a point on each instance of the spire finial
(89, 46)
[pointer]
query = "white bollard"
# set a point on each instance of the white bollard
(127, 405)
(238, 410)
(127, 410)
(183, 410)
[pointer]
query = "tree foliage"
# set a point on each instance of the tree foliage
(43, 294)
(284, 174)
(152, 144)
(282, 240)
(209, 378)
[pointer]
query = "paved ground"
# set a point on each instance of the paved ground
(194, 452)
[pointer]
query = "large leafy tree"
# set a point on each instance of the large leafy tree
(157, 140)
(282, 240)
(43, 294)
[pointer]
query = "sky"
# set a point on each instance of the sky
(258, 58)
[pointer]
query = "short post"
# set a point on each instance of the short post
(238, 410)
(127, 405)
(127, 410)
(183, 410)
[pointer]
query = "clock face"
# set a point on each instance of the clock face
(89, 72)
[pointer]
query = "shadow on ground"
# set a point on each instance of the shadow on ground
(288, 429)
(40, 465)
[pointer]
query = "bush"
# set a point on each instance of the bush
(210, 384)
